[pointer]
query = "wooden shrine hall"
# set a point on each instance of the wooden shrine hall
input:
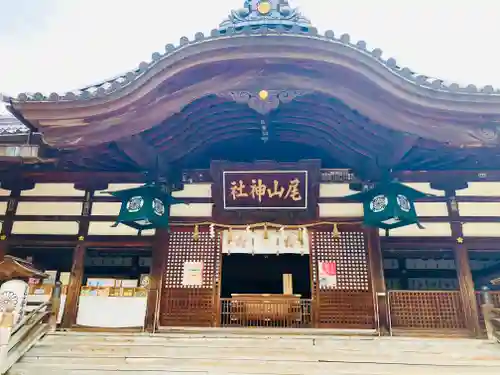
(261, 175)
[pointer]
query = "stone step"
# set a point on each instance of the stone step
(312, 352)
(353, 345)
(254, 367)
(269, 340)
(194, 357)
(213, 354)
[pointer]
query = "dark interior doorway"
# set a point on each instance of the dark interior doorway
(259, 274)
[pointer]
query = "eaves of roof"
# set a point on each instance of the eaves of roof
(115, 84)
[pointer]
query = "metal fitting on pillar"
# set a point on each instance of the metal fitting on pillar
(485, 295)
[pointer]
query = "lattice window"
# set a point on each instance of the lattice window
(182, 248)
(190, 305)
(349, 253)
(350, 303)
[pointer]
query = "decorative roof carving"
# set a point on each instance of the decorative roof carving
(263, 105)
(265, 12)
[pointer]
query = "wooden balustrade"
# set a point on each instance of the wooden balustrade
(15, 340)
(285, 311)
(490, 311)
(426, 310)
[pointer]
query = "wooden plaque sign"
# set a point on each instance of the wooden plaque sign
(265, 191)
(270, 190)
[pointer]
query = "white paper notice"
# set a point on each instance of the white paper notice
(193, 274)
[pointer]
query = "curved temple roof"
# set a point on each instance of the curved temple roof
(281, 19)
(441, 106)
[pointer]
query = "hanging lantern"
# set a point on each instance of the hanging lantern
(389, 205)
(144, 207)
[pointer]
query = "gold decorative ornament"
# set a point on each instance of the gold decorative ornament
(81, 238)
(460, 240)
(300, 236)
(263, 94)
(266, 234)
(264, 7)
(3, 237)
(196, 233)
(229, 236)
(335, 232)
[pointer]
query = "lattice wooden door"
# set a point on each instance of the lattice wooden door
(183, 305)
(348, 302)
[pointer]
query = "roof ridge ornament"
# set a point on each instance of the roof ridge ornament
(265, 12)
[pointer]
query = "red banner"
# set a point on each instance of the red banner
(265, 190)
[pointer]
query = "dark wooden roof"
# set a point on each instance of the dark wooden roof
(9, 125)
(214, 128)
(16, 268)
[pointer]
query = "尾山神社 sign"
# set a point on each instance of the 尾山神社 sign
(265, 190)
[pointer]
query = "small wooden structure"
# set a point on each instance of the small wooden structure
(16, 268)
(265, 307)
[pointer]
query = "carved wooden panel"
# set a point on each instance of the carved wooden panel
(426, 310)
(349, 303)
(190, 305)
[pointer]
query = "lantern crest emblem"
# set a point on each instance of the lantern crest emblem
(134, 204)
(379, 203)
(403, 203)
(389, 205)
(158, 207)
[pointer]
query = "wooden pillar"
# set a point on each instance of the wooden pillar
(77, 268)
(75, 284)
(464, 274)
(160, 247)
(8, 222)
(377, 279)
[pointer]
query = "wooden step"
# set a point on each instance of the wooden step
(233, 353)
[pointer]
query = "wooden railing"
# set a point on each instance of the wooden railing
(491, 314)
(16, 340)
(262, 312)
(426, 310)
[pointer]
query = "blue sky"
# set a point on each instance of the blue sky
(59, 45)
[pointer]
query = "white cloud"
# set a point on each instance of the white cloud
(86, 41)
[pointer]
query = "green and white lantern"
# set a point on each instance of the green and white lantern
(145, 207)
(389, 205)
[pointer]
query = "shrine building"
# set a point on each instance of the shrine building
(261, 175)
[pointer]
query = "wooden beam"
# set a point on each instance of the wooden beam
(75, 177)
(77, 269)
(160, 248)
(464, 273)
(376, 265)
(8, 222)
(140, 152)
(75, 284)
